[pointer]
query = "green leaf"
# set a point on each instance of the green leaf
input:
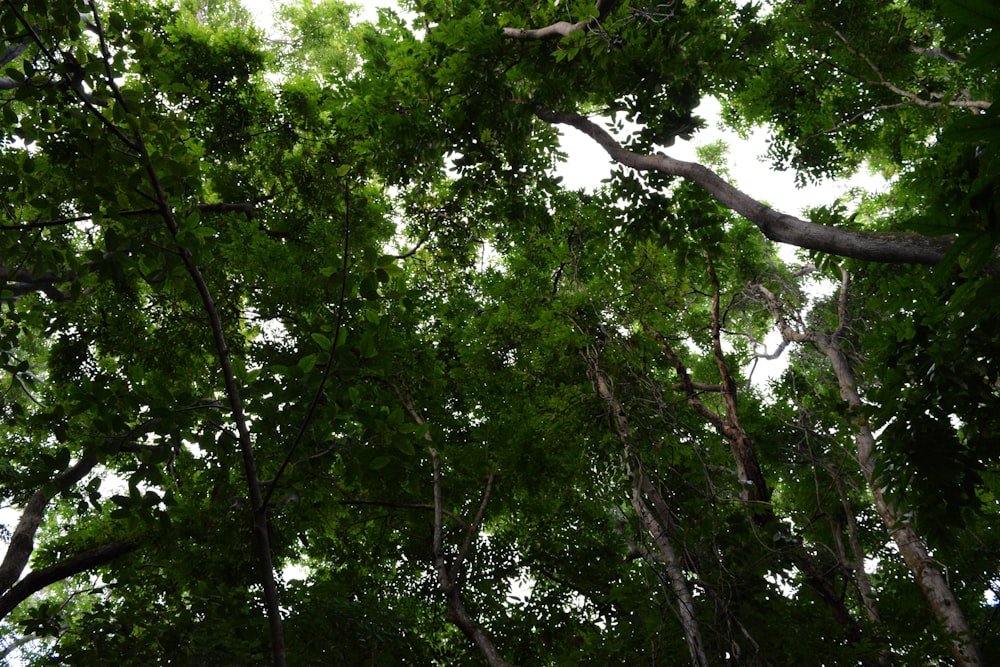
(380, 462)
(322, 340)
(307, 363)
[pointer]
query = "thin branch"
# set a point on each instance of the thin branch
(413, 251)
(248, 208)
(912, 97)
(686, 384)
(262, 541)
(75, 86)
(406, 506)
(331, 360)
(473, 530)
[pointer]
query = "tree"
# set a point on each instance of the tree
(311, 359)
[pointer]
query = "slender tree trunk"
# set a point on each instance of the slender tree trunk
(931, 580)
(929, 577)
(655, 522)
(654, 517)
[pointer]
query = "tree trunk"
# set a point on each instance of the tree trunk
(932, 582)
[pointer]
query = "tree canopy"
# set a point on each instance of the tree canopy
(309, 357)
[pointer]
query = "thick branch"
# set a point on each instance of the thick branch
(39, 579)
(562, 28)
(22, 541)
(887, 247)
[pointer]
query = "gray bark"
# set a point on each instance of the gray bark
(886, 247)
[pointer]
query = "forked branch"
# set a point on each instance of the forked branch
(448, 578)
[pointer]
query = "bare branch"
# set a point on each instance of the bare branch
(562, 28)
(473, 530)
(452, 590)
(888, 247)
(912, 97)
(39, 579)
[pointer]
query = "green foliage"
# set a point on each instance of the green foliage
(357, 226)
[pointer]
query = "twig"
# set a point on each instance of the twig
(331, 358)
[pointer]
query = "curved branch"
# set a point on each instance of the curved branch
(22, 541)
(39, 579)
(886, 247)
(561, 28)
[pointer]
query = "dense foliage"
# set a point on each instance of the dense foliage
(309, 358)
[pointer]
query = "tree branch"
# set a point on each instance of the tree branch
(933, 584)
(446, 579)
(39, 579)
(887, 247)
(262, 542)
(940, 52)
(651, 509)
(562, 28)
(912, 97)
(22, 541)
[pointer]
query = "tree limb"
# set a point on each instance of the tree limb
(446, 579)
(912, 97)
(940, 52)
(22, 541)
(652, 511)
(932, 582)
(887, 247)
(262, 540)
(562, 28)
(39, 579)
